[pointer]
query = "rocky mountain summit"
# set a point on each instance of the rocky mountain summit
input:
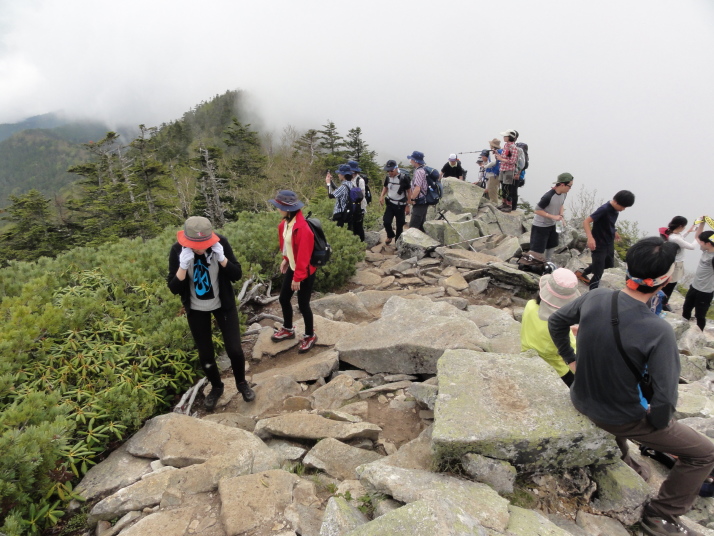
(416, 414)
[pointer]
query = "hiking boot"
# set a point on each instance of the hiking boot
(283, 334)
(667, 307)
(507, 208)
(656, 526)
(581, 277)
(388, 241)
(212, 398)
(246, 391)
(306, 343)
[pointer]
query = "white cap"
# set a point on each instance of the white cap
(452, 157)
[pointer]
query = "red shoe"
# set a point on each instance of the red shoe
(283, 334)
(306, 343)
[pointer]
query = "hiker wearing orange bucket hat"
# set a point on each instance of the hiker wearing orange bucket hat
(202, 268)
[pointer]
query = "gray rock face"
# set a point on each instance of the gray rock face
(416, 454)
(255, 501)
(530, 522)
(501, 329)
(471, 260)
(414, 243)
(304, 426)
(341, 517)
(424, 393)
(600, 525)
(460, 197)
(511, 275)
(621, 492)
(498, 474)
(513, 409)
(337, 459)
(478, 286)
(511, 247)
(335, 393)
(119, 470)
(180, 441)
(310, 369)
(350, 305)
(405, 485)
(391, 345)
(234, 420)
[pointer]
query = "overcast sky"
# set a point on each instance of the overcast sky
(618, 93)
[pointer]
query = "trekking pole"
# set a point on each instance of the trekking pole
(469, 152)
(433, 248)
(442, 216)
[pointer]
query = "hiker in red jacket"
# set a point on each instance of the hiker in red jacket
(296, 245)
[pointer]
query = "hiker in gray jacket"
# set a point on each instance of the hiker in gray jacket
(607, 390)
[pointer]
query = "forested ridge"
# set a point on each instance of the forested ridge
(93, 343)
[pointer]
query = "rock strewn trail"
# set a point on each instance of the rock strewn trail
(413, 415)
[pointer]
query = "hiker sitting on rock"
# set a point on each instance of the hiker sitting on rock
(296, 244)
(394, 199)
(202, 267)
(548, 212)
(618, 336)
(556, 290)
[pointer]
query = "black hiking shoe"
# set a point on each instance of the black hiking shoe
(661, 526)
(212, 398)
(246, 391)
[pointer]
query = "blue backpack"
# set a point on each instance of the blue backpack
(433, 188)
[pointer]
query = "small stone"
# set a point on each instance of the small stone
(382, 399)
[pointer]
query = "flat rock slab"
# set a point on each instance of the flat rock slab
(269, 394)
(118, 471)
(350, 305)
(253, 502)
(333, 394)
(374, 300)
(310, 369)
(341, 517)
(264, 345)
(337, 459)
(466, 258)
(511, 275)
(514, 409)
(532, 523)
(501, 329)
(410, 337)
(234, 420)
(180, 441)
(306, 426)
(365, 278)
(405, 485)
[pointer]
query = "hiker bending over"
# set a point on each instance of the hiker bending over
(673, 233)
(418, 190)
(602, 237)
(556, 290)
(617, 328)
(452, 168)
(548, 212)
(296, 241)
(202, 267)
(394, 198)
(700, 293)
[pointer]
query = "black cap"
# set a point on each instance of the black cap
(484, 152)
(391, 164)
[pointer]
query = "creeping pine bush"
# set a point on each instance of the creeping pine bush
(93, 343)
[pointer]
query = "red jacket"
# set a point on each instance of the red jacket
(303, 244)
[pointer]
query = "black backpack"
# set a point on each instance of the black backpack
(322, 251)
(529, 264)
(523, 147)
(433, 188)
(367, 191)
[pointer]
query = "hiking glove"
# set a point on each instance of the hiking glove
(217, 249)
(185, 258)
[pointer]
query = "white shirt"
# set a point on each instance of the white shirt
(678, 238)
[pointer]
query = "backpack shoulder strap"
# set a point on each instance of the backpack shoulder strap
(618, 340)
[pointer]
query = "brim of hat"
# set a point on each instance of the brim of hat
(411, 157)
(389, 168)
(545, 310)
(193, 244)
(505, 133)
(291, 208)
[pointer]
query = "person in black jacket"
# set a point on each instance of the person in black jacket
(202, 267)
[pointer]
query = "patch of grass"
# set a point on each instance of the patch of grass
(77, 524)
(521, 497)
(298, 469)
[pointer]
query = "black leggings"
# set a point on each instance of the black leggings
(393, 212)
(286, 293)
(668, 289)
(700, 302)
(227, 319)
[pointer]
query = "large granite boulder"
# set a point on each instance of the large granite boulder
(511, 275)
(460, 196)
(514, 409)
(392, 344)
(414, 243)
(471, 260)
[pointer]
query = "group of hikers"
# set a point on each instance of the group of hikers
(625, 372)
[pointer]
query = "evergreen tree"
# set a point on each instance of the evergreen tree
(308, 144)
(247, 167)
(34, 232)
(332, 146)
(211, 193)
